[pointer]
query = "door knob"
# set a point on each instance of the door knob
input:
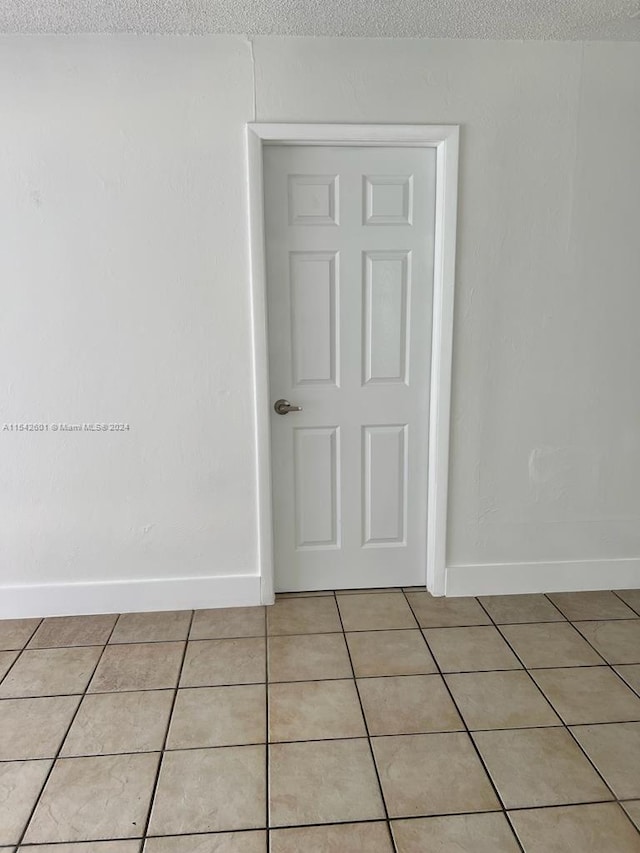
(283, 407)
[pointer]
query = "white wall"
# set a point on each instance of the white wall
(125, 297)
(545, 451)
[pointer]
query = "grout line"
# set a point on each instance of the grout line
(617, 592)
(610, 665)
(469, 735)
(154, 788)
(20, 651)
(366, 726)
(631, 687)
(529, 670)
(564, 724)
(632, 618)
(299, 680)
(462, 729)
(189, 639)
(628, 816)
(59, 750)
(217, 832)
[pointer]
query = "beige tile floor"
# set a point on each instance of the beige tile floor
(379, 721)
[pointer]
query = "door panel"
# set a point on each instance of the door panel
(386, 302)
(388, 199)
(313, 199)
(314, 320)
(317, 486)
(349, 243)
(385, 484)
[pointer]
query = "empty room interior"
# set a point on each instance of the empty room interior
(320, 426)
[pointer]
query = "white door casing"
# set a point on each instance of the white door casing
(349, 248)
(444, 141)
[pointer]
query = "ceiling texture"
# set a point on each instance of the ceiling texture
(489, 19)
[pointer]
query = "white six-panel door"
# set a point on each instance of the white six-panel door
(349, 245)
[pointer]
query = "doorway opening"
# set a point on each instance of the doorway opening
(352, 267)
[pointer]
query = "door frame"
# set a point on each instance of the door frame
(445, 140)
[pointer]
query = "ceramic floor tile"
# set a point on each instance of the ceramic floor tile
(631, 674)
(73, 631)
(86, 847)
(333, 838)
(20, 785)
(446, 612)
(432, 774)
(119, 722)
(539, 767)
(210, 790)
(470, 649)
(303, 616)
(50, 672)
(253, 841)
(631, 597)
(591, 605)
(472, 833)
(34, 728)
(6, 659)
(633, 810)
(617, 642)
(329, 781)
(615, 751)
(500, 700)
(229, 622)
(550, 644)
(389, 653)
(375, 612)
(16, 633)
(219, 716)
(210, 663)
(598, 828)
(588, 695)
(308, 657)
(141, 666)
(513, 609)
(408, 704)
(213, 784)
(94, 798)
(165, 626)
(314, 710)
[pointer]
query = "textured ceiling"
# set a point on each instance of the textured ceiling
(500, 19)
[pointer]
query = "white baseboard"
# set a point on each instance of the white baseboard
(563, 576)
(128, 596)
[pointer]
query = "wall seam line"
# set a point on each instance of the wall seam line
(253, 77)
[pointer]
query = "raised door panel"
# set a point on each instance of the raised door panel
(317, 487)
(388, 199)
(314, 317)
(384, 487)
(387, 277)
(313, 199)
